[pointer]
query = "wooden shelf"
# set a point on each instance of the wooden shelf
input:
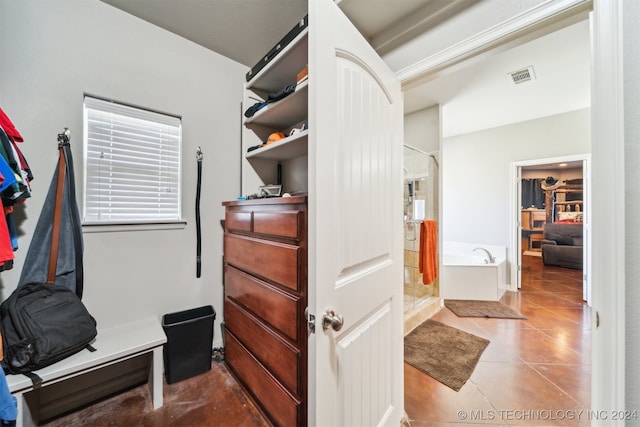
(286, 112)
(284, 68)
(570, 202)
(287, 148)
(532, 223)
(532, 219)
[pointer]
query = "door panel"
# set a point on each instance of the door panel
(363, 164)
(367, 371)
(355, 226)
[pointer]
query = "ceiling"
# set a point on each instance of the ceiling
(481, 94)
(244, 30)
(475, 95)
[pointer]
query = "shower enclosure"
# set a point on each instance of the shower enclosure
(420, 203)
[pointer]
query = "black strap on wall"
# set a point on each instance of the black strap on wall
(198, 237)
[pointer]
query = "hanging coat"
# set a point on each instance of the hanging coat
(68, 256)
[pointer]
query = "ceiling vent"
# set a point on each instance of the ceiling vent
(523, 75)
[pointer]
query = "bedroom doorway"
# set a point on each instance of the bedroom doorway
(553, 191)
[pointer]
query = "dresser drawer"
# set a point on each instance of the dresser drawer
(238, 220)
(281, 359)
(272, 305)
(277, 223)
(277, 262)
(281, 406)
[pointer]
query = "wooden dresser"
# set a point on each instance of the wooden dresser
(265, 289)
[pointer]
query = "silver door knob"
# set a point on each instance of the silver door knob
(332, 320)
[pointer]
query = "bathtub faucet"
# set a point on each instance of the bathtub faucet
(492, 259)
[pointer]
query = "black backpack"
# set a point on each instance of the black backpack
(43, 324)
(44, 320)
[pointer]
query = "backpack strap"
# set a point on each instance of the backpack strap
(66, 176)
(35, 379)
(74, 214)
(57, 214)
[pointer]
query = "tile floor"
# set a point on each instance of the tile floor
(534, 372)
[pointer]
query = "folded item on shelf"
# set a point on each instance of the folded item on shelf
(296, 130)
(282, 93)
(272, 97)
(255, 108)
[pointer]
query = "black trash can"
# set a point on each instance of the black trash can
(187, 352)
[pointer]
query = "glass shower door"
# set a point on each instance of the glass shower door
(420, 203)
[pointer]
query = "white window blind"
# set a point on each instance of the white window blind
(132, 161)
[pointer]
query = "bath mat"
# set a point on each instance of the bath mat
(475, 308)
(445, 353)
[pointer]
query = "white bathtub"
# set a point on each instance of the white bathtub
(464, 274)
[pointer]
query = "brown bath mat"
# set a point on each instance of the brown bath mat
(475, 308)
(445, 353)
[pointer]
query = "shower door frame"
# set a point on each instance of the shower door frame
(430, 157)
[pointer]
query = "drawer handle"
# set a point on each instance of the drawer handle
(332, 320)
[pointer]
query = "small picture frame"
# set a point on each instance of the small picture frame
(270, 191)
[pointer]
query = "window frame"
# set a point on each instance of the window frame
(132, 112)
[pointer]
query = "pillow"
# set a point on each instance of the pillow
(563, 216)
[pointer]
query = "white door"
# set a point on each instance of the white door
(518, 242)
(355, 227)
(586, 230)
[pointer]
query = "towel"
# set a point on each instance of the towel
(428, 255)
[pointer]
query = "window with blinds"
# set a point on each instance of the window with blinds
(132, 164)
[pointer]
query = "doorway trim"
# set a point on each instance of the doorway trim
(530, 23)
(516, 226)
(607, 142)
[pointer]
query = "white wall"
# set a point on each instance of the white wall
(422, 129)
(53, 53)
(476, 171)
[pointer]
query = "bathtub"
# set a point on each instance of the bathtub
(464, 274)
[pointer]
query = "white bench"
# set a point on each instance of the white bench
(113, 345)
